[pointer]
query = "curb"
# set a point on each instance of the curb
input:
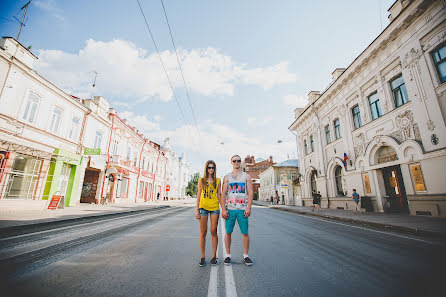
(51, 224)
(415, 231)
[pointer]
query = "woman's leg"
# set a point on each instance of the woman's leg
(214, 225)
(203, 231)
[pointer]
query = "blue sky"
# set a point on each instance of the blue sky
(247, 64)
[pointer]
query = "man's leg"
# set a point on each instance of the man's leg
(245, 238)
(229, 226)
(228, 243)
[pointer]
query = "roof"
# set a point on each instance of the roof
(288, 163)
(258, 160)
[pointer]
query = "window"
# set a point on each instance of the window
(129, 152)
(337, 128)
(313, 182)
(124, 187)
(311, 143)
(55, 119)
(74, 129)
(305, 147)
(399, 91)
(30, 107)
(356, 117)
(327, 134)
(23, 177)
(135, 158)
(338, 179)
(98, 139)
(143, 163)
(439, 56)
(375, 108)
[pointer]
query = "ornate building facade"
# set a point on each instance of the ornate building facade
(380, 125)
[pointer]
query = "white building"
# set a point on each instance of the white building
(281, 179)
(386, 113)
(177, 173)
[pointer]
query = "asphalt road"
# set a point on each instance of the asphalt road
(156, 254)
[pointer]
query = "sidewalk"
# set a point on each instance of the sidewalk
(422, 225)
(10, 217)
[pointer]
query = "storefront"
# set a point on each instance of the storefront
(63, 176)
(91, 185)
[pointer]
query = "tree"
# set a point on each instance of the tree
(192, 186)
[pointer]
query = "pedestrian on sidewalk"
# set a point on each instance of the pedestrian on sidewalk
(272, 200)
(158, 197)
(315, 200)
(208, 198)
(319, 199)
(236, 203)
(355, 197)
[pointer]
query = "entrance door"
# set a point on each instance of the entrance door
(393, 181)
(90, 185)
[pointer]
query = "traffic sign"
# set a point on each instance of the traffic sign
(167, 188)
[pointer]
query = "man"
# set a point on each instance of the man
(319, 199)
(355, 197)
(315, 200)
(236, 203)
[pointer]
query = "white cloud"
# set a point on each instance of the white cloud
(140, 122)
(219, 142)
(50, 6)
(294, 100)
(158, 118)
(126, 71)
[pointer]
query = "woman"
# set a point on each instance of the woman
(208, 196)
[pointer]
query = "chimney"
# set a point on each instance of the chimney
(313, 95)
(336, 73)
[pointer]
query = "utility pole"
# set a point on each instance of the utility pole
(23, 18)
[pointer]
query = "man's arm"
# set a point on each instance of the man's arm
(224, 192)
(250, 195)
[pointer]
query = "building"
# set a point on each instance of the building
(254, 167)
(282, 180)
(178, 173)
(40, 151)
(380, 125)
(53, 143)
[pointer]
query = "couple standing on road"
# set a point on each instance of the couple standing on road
(234, 197)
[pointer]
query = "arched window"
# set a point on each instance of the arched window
(313, 182)
(338, 179)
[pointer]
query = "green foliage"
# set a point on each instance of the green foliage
(192, 186)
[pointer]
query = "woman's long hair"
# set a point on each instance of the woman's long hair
(204, 181)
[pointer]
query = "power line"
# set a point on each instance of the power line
(165, 71)
(181, 69)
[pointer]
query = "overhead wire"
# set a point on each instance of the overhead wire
(181, 69)
(167, 75)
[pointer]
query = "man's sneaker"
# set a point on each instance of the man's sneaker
(248, 261)
(227, 261)
(214, 261)
(202, 262)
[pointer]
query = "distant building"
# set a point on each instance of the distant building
(254, 167)
(281, 179)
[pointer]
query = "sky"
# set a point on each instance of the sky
(246, 64)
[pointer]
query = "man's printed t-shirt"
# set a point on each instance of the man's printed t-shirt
(356, 197)
(237, 195)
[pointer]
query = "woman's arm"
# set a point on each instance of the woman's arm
(197, 214)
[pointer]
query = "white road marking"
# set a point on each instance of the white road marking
(357, 227)
(213, 281)
(229, 276)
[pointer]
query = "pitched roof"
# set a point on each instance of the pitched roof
(288, 163)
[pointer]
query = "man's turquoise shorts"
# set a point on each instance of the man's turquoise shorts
(242, 221)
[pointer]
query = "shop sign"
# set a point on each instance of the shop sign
(54, 202)
(97, 162)
(418, 178)
(124, 171)
(366, 180)
(386, 154)
(167, 188)
(284, 186)
(92, 151)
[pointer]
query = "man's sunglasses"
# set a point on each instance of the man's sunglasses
(236, 161)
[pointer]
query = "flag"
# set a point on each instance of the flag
(345, 159)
